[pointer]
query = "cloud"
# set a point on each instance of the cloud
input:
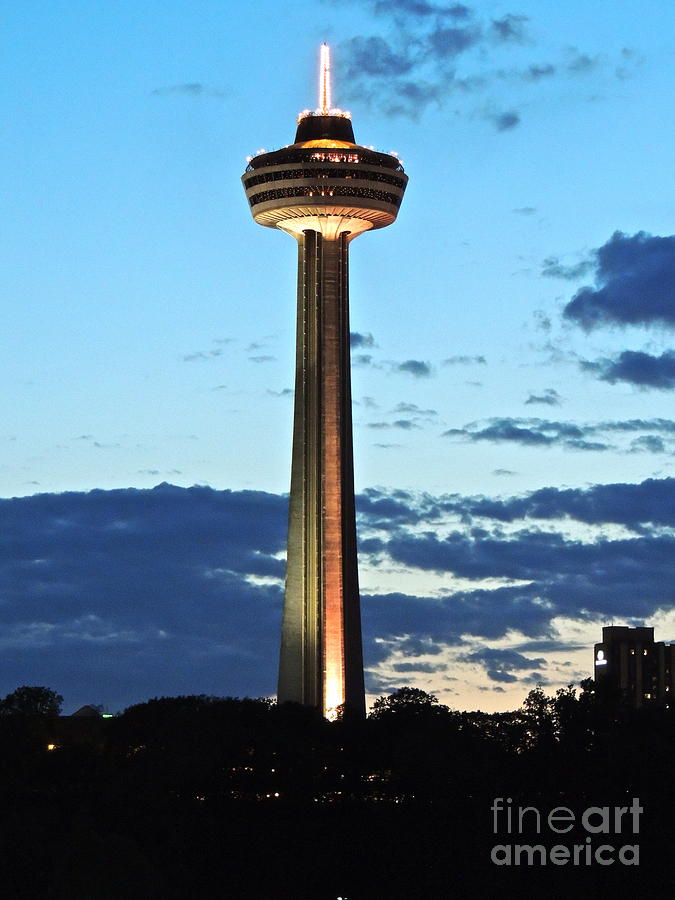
(536, 72)
(450, 42)
(553, 268)
(648, 443)
(419, 9)
(414, 409)
(599, 578)
(636, 368)
(378, 508)
(549, 646)
(635, 506)
(556, 577)
(542, 322)
(510, 28)
(414, 367)
(425, 667)
(464, 360)
(500, 665)
(528, 432)
(114, 596)
(525, 210)
(373, 56)
(357, 340)
(547, 433)
(286, 392)
(509, 659)
(261, 359)
(405, 424)
(548, 397)
(199, 355)
(415, 418)
(190, 89)
(422, 54)
(635, 284)
(581, 63)
(629, 62)
(504, 121)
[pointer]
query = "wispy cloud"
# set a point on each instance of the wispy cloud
(358, 340)
(415, 367)
(464, 360)
(500, 665)
(594, 437)
(414, 409)
(547, 397)
(286, 392)
(504, 121)
(431, 53)
(404, 424)
(553, 268)
(190, 89)
(201, 355)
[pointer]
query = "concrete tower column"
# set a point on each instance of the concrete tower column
(321, 660)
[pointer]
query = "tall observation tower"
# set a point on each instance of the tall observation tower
(323, 190)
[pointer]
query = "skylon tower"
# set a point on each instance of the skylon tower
(323, 190)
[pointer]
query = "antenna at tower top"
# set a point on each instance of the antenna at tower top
(324, 81)
(325, 107)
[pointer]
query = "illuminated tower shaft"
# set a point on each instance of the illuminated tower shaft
(324, 190)
(321, 661)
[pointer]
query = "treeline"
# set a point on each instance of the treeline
(210, 797)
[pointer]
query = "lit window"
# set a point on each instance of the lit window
(51, 746)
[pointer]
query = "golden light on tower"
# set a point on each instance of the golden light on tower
(324, 190)
(324, 80)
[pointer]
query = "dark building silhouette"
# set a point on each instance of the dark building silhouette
(632, 667)
(323, 190)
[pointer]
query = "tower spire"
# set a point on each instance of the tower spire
(324, 81)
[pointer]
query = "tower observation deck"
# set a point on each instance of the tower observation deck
(324, 190)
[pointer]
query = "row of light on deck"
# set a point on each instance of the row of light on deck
(369, 147)
(333, 111)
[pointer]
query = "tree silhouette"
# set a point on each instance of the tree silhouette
(31, 701)
(407, 701)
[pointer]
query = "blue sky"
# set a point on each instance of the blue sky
(513, 367)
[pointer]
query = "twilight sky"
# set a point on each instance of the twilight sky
(513, 364)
